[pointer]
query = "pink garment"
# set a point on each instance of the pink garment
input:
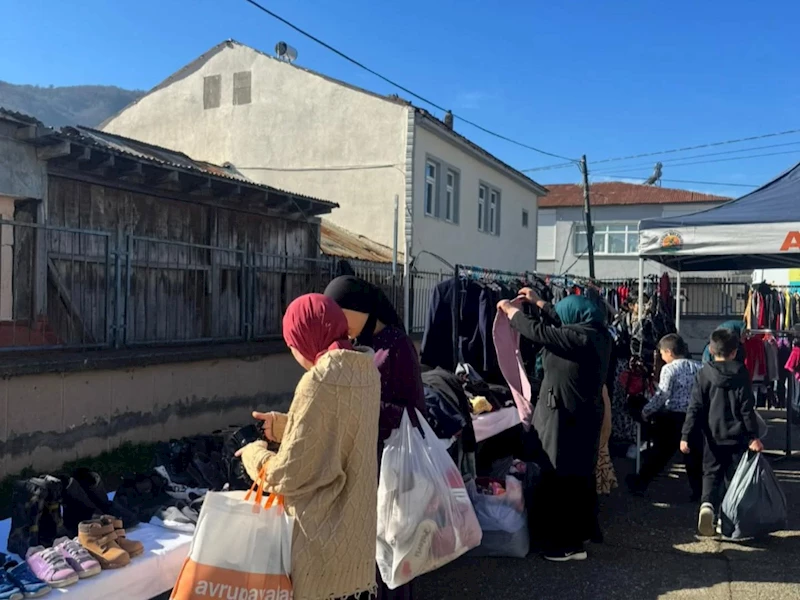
(793, 364)
(506, 344)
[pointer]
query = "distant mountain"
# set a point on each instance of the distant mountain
(87, 105)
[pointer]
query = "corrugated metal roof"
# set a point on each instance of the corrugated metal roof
(337, 241)
(172, 158)
(618, 193)
(19, 117)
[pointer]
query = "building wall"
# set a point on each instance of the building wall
(22, 175)
(608, 266)
(54, 418)
(513, 250)
(301, 132)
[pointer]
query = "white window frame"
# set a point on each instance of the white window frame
(450, 194)
(483, 192)
(494, 203)
(602, 233)
(526, 218)
(431, 187)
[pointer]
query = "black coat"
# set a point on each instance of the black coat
(569, 413)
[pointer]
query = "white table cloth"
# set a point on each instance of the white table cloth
(489, 424)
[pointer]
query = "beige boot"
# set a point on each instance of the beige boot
(132, 547)
(100, 540)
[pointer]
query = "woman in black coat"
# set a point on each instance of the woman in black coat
(568, 416)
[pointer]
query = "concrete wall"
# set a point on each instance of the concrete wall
(301, 132)
(49, 419)
(513, 250)
(606, 267)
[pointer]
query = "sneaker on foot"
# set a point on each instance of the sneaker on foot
(566, 555)
(705, 521)
(22, 576)
(8, 589)
(49, 566)
(77, 557)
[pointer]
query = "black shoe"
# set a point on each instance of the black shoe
(210, 470)
(77, 505)
(27, 507)
(142, 495)
(92, 484)
(566, 555)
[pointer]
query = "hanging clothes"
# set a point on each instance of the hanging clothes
(506, 341)
(754, 358)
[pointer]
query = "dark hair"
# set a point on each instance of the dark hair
(675, 344)
(723, 343)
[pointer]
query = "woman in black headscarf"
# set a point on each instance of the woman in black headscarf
(373, 321)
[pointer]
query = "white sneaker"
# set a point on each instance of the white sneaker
(705, 521)
(566, 556)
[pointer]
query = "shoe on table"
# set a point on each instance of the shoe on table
(50, 567)
(21, 576)
(566, 555)
(8, 589)
(171, 517)
(134, 548)
(78, 558)
(99, 539)
(705, 520)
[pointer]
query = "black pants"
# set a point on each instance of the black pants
(665, 433)
(566, 512)
(719, 465)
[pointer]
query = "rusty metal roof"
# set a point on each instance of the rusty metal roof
(337, 241)
(171, 158)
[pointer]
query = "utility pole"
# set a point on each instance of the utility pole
(587, 215)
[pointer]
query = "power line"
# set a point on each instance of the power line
(673, 151)
(718, 160)
(397, 85)
(725, 152)
(747, 185)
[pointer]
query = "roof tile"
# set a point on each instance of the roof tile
(617, 193)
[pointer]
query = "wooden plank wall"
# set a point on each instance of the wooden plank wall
(178, 292)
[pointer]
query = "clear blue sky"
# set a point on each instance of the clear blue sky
(600, 77)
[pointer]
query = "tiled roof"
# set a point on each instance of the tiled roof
(616, 193)
(171, 158)
(337, 241)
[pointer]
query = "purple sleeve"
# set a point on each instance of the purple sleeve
(404, 388)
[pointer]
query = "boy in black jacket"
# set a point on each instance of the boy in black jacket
(723, 408)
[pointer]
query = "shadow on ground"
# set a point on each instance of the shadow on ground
(651, 553)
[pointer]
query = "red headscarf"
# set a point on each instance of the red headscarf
(313, 325)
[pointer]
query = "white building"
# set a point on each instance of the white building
(300, 130)
(617, 208)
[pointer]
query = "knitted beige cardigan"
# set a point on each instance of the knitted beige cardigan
(327, 471)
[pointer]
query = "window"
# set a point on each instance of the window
(609, 239)
(524, 218)
(212, 91)
(451, 197)
(493, 222)
(242, 87)
(482, 193)
(431, 187)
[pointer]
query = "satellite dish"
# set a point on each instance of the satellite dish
(285, 52)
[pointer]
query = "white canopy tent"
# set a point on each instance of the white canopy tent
(760, 230)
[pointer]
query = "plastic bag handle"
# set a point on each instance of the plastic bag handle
(259, 486)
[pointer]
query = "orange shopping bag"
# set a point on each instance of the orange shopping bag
(241, 549)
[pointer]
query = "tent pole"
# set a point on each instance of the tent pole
(640, 317)
(678, 303)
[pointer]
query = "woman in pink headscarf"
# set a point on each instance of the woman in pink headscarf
(326, 467)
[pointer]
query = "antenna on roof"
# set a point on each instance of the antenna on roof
(285, 52)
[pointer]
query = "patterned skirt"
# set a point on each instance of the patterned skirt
(623, 427)
(604, 473)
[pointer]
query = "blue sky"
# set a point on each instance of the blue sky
(602, 77)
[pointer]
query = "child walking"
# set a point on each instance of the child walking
(723, 409)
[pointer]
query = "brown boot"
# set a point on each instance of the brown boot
(101, 542)
(132, 547)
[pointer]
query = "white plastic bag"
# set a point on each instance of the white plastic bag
(504, 521)
(425, 516)
(240, 549)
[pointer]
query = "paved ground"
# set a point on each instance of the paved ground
(651, 553)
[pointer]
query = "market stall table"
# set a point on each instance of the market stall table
(148, 576)
(487, 425)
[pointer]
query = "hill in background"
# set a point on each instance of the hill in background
(87, 105)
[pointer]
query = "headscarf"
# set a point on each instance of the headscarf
(352, 293)
(579, 310)
(736, 327)
(314, 325)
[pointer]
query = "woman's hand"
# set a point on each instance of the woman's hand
(756, 446)
(529, 295)
(254, 456)
(504, 306)
(273, 424)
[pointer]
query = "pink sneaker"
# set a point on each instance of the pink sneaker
(49, 566)
(77, 557)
